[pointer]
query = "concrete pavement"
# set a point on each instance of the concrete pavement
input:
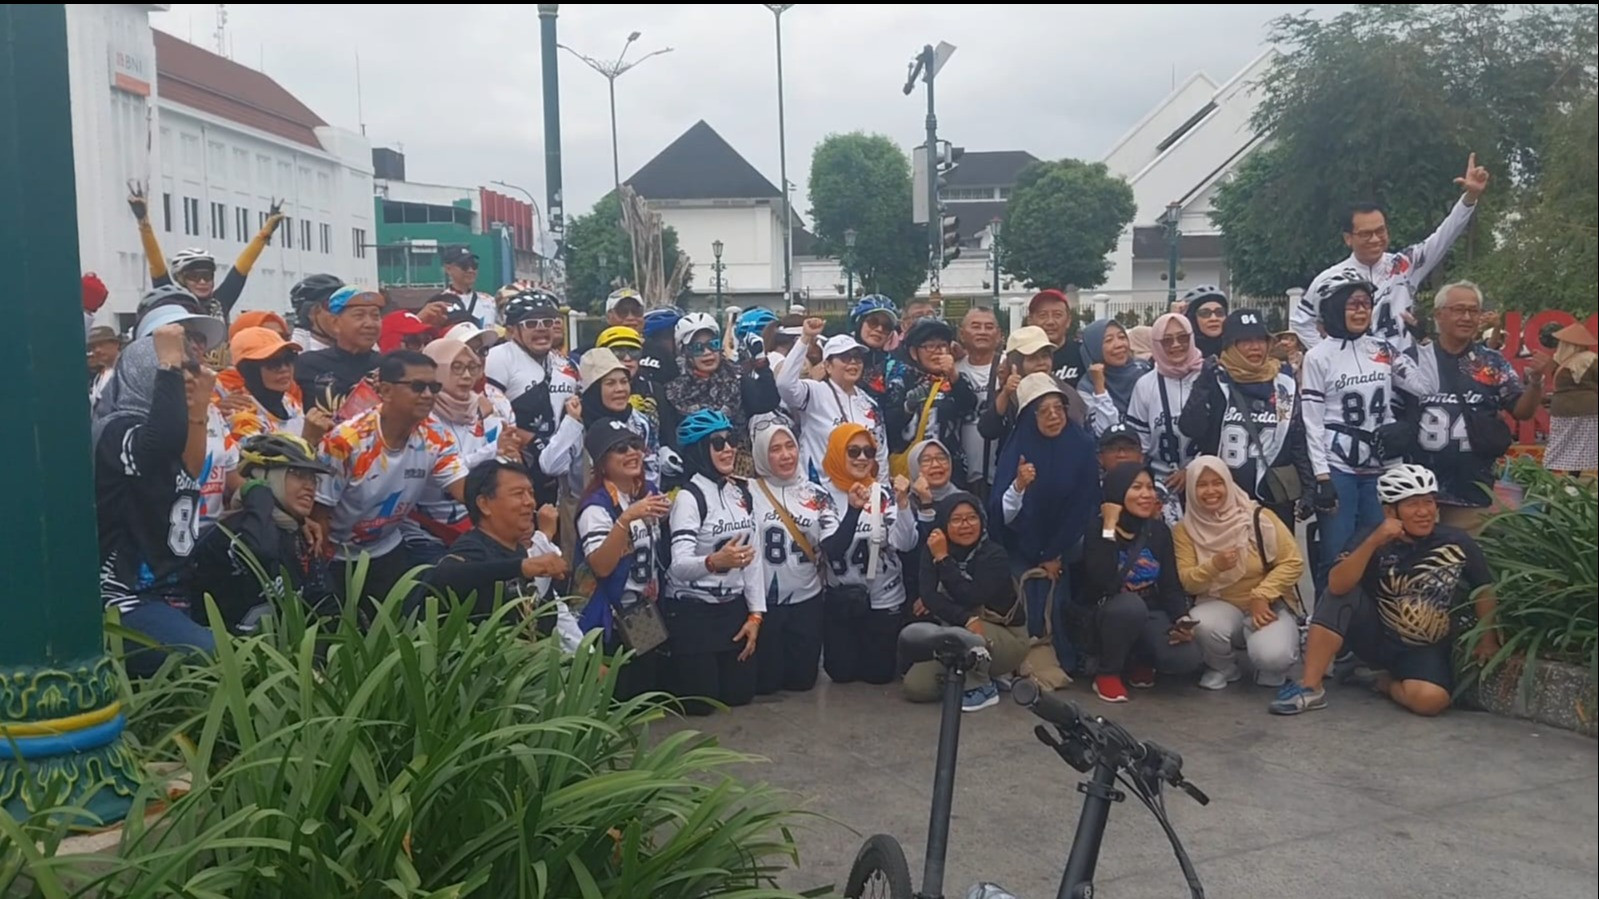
(1359, 800)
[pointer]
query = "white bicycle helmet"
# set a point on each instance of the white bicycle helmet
(692, 324)
(1405, 481)
(192, 258)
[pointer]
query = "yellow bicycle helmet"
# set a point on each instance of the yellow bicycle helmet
(620, 336)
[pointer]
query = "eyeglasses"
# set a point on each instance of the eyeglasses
(465, 369)
(720, 442)
(1211, 312)
(1461, 311)
(280, 362)
(700, 347)
(1051, 407)
(860, 452)
(1371, 233)
(1175, 340)
(419, 386)
(1358, 304)
(964, 520)
(879, 322)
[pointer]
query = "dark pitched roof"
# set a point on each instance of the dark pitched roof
(990, 168)
(215, 84)
(804, 241)
(700, 165)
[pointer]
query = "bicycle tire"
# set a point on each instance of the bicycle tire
(880, 855)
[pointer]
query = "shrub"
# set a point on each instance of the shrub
(418, 758)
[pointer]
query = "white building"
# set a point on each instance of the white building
(216, 142)
(1177, 154)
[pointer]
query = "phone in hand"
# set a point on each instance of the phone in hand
(1185, 623)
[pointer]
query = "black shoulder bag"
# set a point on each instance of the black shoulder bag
(1294, 600)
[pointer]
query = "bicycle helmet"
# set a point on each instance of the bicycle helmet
(279, 450)
(1405, 481)
(928, 328)
(169, 294)
(1342, 283)
(658, 320)
(311, 290)
(192, 259)
(753, 321)
(697, 426)
(871, 303)
(620, 336)
(531, 304)
(1195, 295)
(692, 324)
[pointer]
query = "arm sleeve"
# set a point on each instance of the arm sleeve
(1406, 374)
(465, 576)
(564, 448)
(1287, 565)
(991, 424)
(958, 401)
(251, 529)
(1425, 256)
(497, 370)
(1297, 449)
(447, 467)
(758, 392)
(755, 583)
(1303, 317)
(1172, 596)
(1313, 406)
(1084, 506)
(946, 591)
(1197, 420)
(152, 255)
(687, 562)
(1141, 411)
(1102, 410)
(159, 439)
(1195, 575)
(1101, 564)
(836, 544)
(1011, 503)
(232, 286)
(880, 433)
(902, 533)
(791, 387)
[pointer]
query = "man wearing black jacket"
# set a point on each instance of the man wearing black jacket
(1049, 309)
(500, 503)
(326, 377)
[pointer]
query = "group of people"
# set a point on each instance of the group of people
(744, 503)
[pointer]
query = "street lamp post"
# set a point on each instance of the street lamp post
(782, 156)
(849, 264)
(993, 254)
(612, 71)
(1174, 212)
(605, 273)
(716, 272)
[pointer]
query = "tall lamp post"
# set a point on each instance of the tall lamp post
(716, 272)
(605, 274)
(993, 254)
(612, 71)
(849, 265)
(1174, 214)
(782, 156)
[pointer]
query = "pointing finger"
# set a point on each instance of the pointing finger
(1471, 162)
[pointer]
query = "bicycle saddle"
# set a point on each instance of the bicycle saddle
(924, 640)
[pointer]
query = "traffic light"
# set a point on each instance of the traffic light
(950, 247)
(949, 157)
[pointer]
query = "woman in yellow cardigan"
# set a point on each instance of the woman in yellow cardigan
(1240, 562)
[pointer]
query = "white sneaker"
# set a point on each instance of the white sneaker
(1218, 680)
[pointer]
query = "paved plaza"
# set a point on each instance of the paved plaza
(1361, 800)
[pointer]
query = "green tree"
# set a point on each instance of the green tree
(1384, 104)
(599, 233)
(1062, 220)
(863, 181)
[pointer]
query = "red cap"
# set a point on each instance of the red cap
(397, 326)
(1049, 293)
(94, 292)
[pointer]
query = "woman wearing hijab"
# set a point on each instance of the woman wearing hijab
(1132, 598)
(462, 411)
(1141, 339)
(1574, 404)
(1244, 409)
(1206, 308)
(1050, 470)
(932, 478)
(708, 381)
(1241, 563)
(966, 582)
(1113, 371)
(607, 395)
(258, 394)
(716, 583)
(793, 517)
(1159, 397)
(866, 589)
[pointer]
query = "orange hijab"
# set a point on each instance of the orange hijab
(836, 463)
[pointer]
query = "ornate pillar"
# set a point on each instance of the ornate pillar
(60, 719)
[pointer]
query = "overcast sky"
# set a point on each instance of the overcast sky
(459, 85)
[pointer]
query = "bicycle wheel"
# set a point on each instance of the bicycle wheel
(880, 871)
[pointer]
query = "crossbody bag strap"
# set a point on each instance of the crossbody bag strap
(1266, 563)
(1133, 551)
(927, 408)
(788, 522)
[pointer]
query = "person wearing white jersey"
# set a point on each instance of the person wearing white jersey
(533, 375)
(383, 460)
(980, 365)
(793, 516)
(866, 585)
(460, 267)
(716, 582)
(1159, 397)
(606, 396)
(1395, 275)
(1347, 390)
(820, 406)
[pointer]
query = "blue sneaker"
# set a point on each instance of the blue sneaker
(1294, 697)
(978, 698)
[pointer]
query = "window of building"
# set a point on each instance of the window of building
(967, 193)
(191, 216)
(325, 233)
(241, 224)
(219, 221)
(166, 213)
(358, 238)
(286, 233)
(305, 235)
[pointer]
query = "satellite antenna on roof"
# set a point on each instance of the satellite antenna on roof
(221, 34)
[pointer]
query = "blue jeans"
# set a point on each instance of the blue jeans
(1358, 511)
(1047, 602)
(171, 628)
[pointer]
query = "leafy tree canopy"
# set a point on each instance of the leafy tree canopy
(1062, 220)
(862, 182)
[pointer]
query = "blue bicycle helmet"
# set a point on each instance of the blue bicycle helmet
(697, 426)
(753, 321)
(658, 320)
(871, 303)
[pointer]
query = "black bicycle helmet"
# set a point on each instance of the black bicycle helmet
(279, 450)
(531, 304)
(169, 294)
(312, 290)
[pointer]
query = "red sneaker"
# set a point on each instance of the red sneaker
(1110, 688)
(1141, 676)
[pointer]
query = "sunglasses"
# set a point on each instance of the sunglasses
(420, 387)
(630, 445)
(538, 323)
(626, 354)
(1211, 312)
(700, 347)
(279, 362)
(720, 442)
(860, 452)
(853, 357)
(1176, 340)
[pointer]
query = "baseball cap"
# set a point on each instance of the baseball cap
(399, 325)
(257, 344)
(1046, 294)
(350, 295)
(210, 330)
(839, 344)
(459, 255)
(466, 332)
(603, 436)
(1028, 340)
(621, 296)
(255, 318)
(1244, 324)
(595, 365)
(1120, 431)
(102, 334)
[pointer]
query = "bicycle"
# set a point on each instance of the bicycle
(1088, 743)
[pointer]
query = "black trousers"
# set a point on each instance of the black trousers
(1130, 631)
(790, 647)
(382, 574)
(640, 674)
(700, 659)
(860, 647)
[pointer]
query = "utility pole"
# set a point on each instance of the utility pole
(552, 122)
(993, 252)
(782, 159)
(926, 64)
(61, 719)
(1174, 214)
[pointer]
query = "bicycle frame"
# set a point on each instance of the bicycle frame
(949, 738)
(1099, 793)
